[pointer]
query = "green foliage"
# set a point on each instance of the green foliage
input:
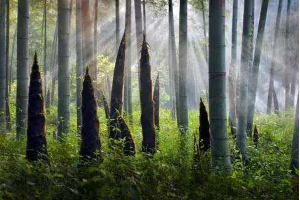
(172, 173)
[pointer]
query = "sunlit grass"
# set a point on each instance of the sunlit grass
(170, 174)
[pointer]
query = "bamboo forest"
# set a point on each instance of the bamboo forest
(149, 99)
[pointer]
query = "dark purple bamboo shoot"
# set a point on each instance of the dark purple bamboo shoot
(105, 105)
(36, 135)
(255, 136)
(90, 141)
(118, 127)
(156, 102)
(204, 133)
(147, 107)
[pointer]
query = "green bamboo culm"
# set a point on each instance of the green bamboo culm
(90, 141)
(36, 148)
(2, 69)
(22, 68)
(232, 76)
(273, 63)
(63, 17)
(183, 27)
(256, 63)
(118, 127)
(217, 85)
(244, 76)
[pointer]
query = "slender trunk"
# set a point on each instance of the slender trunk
(128, 95)
(204, 29)
(217, 85)
(79, 64)
(53, 69)
(118, 127)
(256, 63)
(45, 52)
(276, 105)
(2, 68)
(183, 117)
(295, 144)
(287, 58)
(173, 59)
(8, 71)
(147, 107)
(293, 86)
(138, 24)
(63, 67)
(139, 29)
(156, 102)
(36, 148)
(117, 24)
(11, 60)
(87, 37)
(273, 64)
(22, 67)
(144, 17)
(95, 39)
(232, 71)
(90, 141)
(108, 83)
(244, 76)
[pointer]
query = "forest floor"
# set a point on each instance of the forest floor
(172, 173)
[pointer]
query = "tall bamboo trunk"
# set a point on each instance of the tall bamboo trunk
(128, 94)
(22, 67)
(144, 17)
(8, 71)
(117, 7)
(11, 60)
(2, 68)
(287, 57)
(293, 86)
(36, 148)
(217, 85)
(118, 127)
(139, 30)
(79, 64)
(63, 67)
(256, 63)
(244, 76)
(204, 29)
(173, 59)
(273, 63)
(295, 144)
(183, 117)
(53, 73)
(232, 71)
(95, 49)
(147, 107)
(45, 52)
(87, 37)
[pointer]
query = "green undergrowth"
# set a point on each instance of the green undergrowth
(172, 173)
